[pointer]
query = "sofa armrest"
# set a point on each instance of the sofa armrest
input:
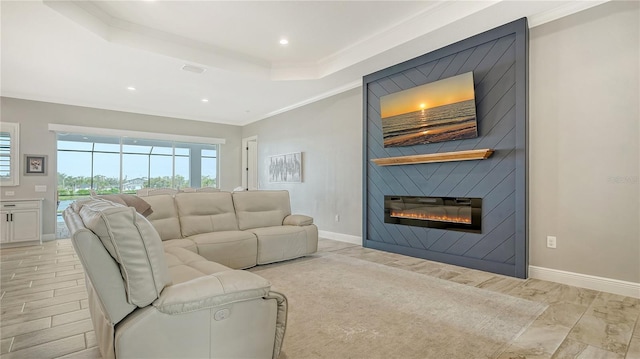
(297, 220)
(212, 290)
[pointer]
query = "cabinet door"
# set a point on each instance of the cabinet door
(25, 225)
(5, 224)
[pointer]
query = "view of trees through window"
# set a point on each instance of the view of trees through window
(107, 165)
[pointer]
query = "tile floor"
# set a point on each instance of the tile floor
(44, 307)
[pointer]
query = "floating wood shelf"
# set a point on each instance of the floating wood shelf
(435, 157)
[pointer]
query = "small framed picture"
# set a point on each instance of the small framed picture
(35, 165)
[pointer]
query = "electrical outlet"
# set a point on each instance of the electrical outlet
(337, 218)
(9, 193)
(551, 241)
(41, 188)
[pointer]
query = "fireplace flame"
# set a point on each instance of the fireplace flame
(430, 217)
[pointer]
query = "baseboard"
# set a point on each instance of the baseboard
(341, 237)
(615, 286)
(48, 237)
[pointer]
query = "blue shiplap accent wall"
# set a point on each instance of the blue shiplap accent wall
(498, 59)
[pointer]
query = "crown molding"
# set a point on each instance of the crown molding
(322, 96)
(566, 9)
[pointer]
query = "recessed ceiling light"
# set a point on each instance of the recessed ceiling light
(131, 88)
(284, 42)
(205, 100)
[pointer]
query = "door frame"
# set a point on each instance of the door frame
(245, 160)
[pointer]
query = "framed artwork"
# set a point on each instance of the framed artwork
(285, 168)
(35, 165)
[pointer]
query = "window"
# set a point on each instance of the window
(208, 164)
(182, 169)
(9, 160)
(109, 164)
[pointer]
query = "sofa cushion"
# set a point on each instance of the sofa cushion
(281, 243)
(165, 216)
(256, 209)
(204, 212)
(204, 284)
(297, 220)
(133, 242)
(182, 243)
(235, 249)
(185, 265)
(77, 204)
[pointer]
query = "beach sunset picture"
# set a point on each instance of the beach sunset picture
(444, 110)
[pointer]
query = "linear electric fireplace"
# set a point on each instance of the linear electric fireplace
(450, 213)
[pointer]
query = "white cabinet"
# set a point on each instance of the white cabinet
(21, 221)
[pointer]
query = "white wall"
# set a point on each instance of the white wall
(35, 138)
(329, 134)
(584, 135)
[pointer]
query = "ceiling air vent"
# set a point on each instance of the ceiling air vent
(195, 69)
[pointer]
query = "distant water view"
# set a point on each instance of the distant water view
(455, 121)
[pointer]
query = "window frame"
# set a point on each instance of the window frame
(14, 156)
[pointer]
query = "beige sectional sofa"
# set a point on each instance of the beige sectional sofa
(238, 230)
(149, 300)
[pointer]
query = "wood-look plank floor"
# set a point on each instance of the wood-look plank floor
(44, 312)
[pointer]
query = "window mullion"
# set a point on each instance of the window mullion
(121, 164)
(93, 147)
(173, 165)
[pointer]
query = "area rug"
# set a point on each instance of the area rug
(343, 307)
